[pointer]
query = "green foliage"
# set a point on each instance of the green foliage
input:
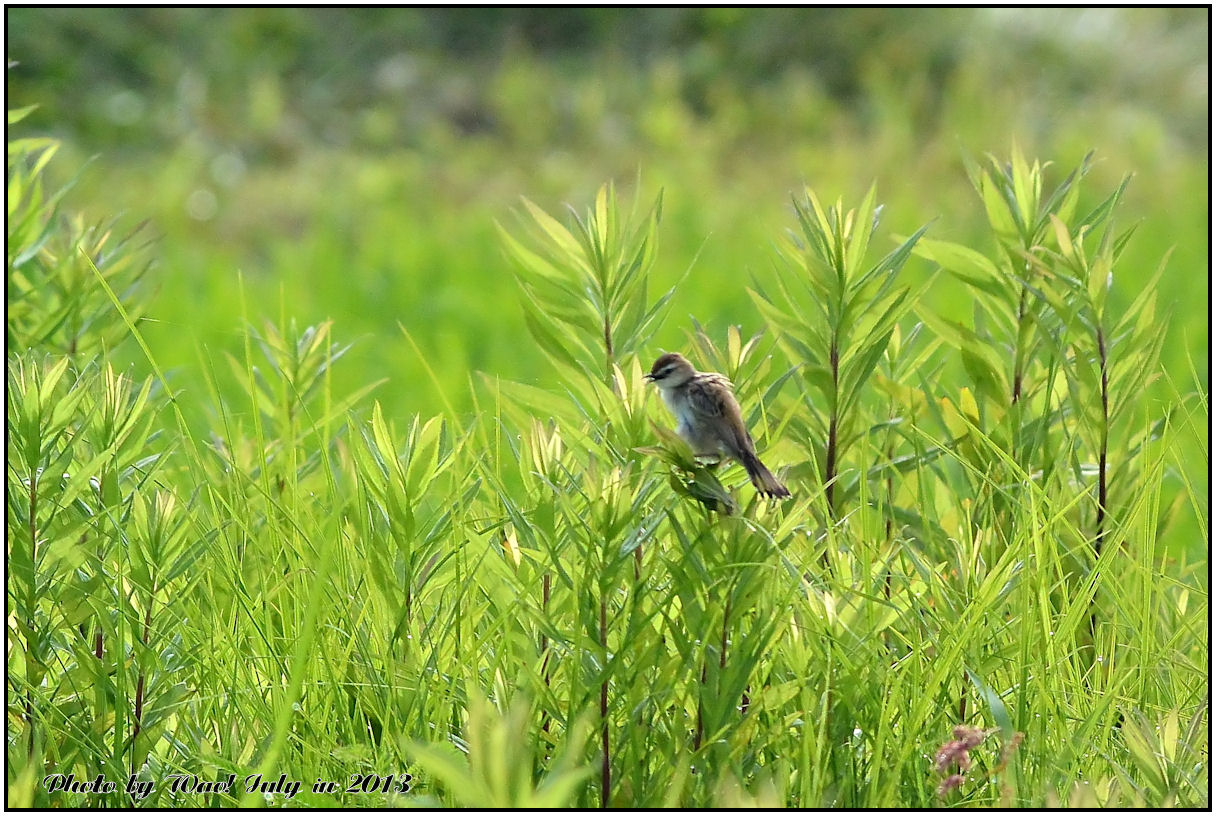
(540, 598)
(498, 774)
(585, 290)
(54, 301)
(344, 165)
(838, 320)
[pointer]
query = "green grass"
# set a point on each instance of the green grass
(348, 484)
(379, 206)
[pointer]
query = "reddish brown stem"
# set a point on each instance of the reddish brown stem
(606, 765)
(544, 650)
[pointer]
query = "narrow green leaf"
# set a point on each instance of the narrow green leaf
(558, 234)
(15, 115)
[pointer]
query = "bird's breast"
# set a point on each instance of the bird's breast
(691, 428)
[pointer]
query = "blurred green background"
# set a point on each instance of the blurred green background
(351, 164)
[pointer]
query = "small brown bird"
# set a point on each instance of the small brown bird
(709, 419)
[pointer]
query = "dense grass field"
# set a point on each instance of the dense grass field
(333, 479)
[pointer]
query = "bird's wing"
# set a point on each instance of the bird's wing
(710, 397)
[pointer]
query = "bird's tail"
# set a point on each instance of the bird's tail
(766, 483)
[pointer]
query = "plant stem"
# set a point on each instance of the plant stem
(609, 355)
(1017, 350)
(606, 765)
(725, 629)
(829, 469)
(409, 611)
(889, 524)
(544, 650)
(30, 601)
(1100, 518)
(139, 683)
(700, 732)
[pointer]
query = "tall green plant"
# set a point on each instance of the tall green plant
(1006, 351)
(835, 319)
(54, 300)
(586, 304)
(101, 557)
(1050, 367)
(586, 288)
(1109, 359)
(611, 618)
(94, 558)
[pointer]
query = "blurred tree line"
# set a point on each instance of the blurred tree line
(139, 76)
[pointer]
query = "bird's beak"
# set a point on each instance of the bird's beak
(648, 377)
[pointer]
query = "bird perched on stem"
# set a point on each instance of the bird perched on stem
(709, 419)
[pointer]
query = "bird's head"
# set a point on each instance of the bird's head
(671, 371)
